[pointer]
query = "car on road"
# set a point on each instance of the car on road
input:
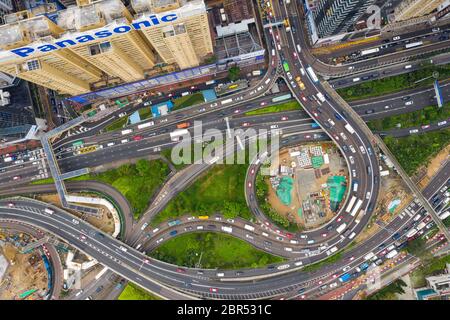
(245, 124)
(10, 204)
(213, 290)
(144, 226)
(137, 138)
(284, 118)
(16, 178)
(249, 184)
(408, 103)
(237, 111)
(181, 270)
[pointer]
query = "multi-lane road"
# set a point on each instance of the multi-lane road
(352, 137)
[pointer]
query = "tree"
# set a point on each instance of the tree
(233, 73)
(143, 167)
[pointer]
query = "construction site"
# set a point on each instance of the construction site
(308, 184)
(24, 274)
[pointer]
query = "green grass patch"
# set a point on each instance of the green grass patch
(216, 250)
(393, 84)
(43, 181)
(219, 190)
(389, 292)
(431, 267)
(415, 150)
(446, 222)
(137, 182)
(286, 106)
(117, 125)
(187, 101)
(411, 119)
(133, 292)
(145, 113)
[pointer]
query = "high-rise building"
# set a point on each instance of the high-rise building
(191, 28)
(328, 18)
(408, 9)
(100, 43)
(6, 7)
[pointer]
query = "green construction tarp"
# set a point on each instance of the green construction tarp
(284, 190)
(337, 186)
(317, 161)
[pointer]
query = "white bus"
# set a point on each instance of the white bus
(312, 74)
(127, 131)
(356, 208)
(227, 101)
(299, 48)
(413, 44)
(350, 204)
(349, 128)
(370, 51)
(341, 228)
(227, 229)
(355, 186)
(176, 135)
(250, 228)
(146, 125)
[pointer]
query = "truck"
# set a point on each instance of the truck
(320, 96)
(349, 128)
(345, 277)
(256, 72)
(332, 250)
(248, 227)
(369, 256)
(227, 229)
(341, 228)
(126, 131)
(177, 134)
(411, 233)
(391, 254)
(183, 125)
(8, 159)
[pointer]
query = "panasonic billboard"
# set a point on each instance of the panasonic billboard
(104, 33)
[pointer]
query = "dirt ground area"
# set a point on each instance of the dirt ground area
(307, 181)
(426, 173)
(25, 272)
(104, 223)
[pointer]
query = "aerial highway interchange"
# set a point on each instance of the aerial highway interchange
(322, 117)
